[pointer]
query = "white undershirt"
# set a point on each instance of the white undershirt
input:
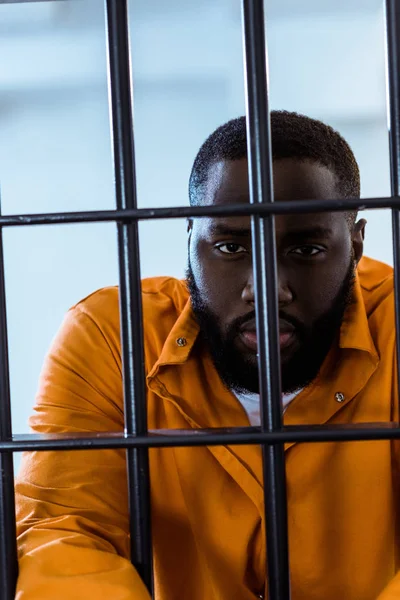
(251, 404)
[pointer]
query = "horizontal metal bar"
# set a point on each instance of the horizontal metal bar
(184, 212)
(204, 437)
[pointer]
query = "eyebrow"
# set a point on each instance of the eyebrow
(220, 229)
(310, 232)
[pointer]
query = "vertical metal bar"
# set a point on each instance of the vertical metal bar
(265, 281)
(130, 286)
(393, 78)
(8, 545)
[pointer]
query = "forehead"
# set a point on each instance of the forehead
(228, 183)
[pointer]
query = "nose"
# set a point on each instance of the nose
(248, 290)
(285, 295)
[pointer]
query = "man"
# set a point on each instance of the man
(337, 343)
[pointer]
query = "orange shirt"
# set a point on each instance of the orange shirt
(207, 503)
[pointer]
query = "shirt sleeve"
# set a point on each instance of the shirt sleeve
(72, 506)
(391, 591)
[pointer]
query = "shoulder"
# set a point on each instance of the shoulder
(164, 294)
(158, 294)
(376, 281)
(163, 299)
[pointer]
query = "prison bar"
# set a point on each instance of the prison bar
(392, 14)
(132, 351)
(127, 216)
(8, 542)
(180, 212)
(265, 285)
(359, 432)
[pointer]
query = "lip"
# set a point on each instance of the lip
(248, 335)
(285, 338)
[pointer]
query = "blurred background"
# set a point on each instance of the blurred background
(327, 60)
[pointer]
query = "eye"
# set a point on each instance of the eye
(231, 248)
(307, 251)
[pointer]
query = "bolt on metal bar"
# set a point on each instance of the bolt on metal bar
(182, 212)
(8, 545)
(393, 76)
(134, 382)
(265, 284)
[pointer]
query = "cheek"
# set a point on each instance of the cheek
(220, 283)
(316, 289)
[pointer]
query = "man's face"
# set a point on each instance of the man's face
(316, 259)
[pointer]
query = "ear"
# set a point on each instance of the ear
(189, 226)
(357, 238)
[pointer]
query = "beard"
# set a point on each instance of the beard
(240, 372)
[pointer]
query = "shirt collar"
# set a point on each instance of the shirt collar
(354, 333)
(180, 340)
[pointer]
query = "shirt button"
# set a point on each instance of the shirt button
(181, 341)
(339, 397)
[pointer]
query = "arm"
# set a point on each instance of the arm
(72, 507)
(391, 591)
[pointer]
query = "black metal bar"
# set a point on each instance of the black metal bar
(8, 546)
(183, 212)
(393, 68)
(265, 284)
(360, 432)
(134, 382)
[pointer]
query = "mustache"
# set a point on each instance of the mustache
(239, 322)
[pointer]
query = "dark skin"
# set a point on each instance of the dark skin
(314, 252)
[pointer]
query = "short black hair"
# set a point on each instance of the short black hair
(293, 136)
